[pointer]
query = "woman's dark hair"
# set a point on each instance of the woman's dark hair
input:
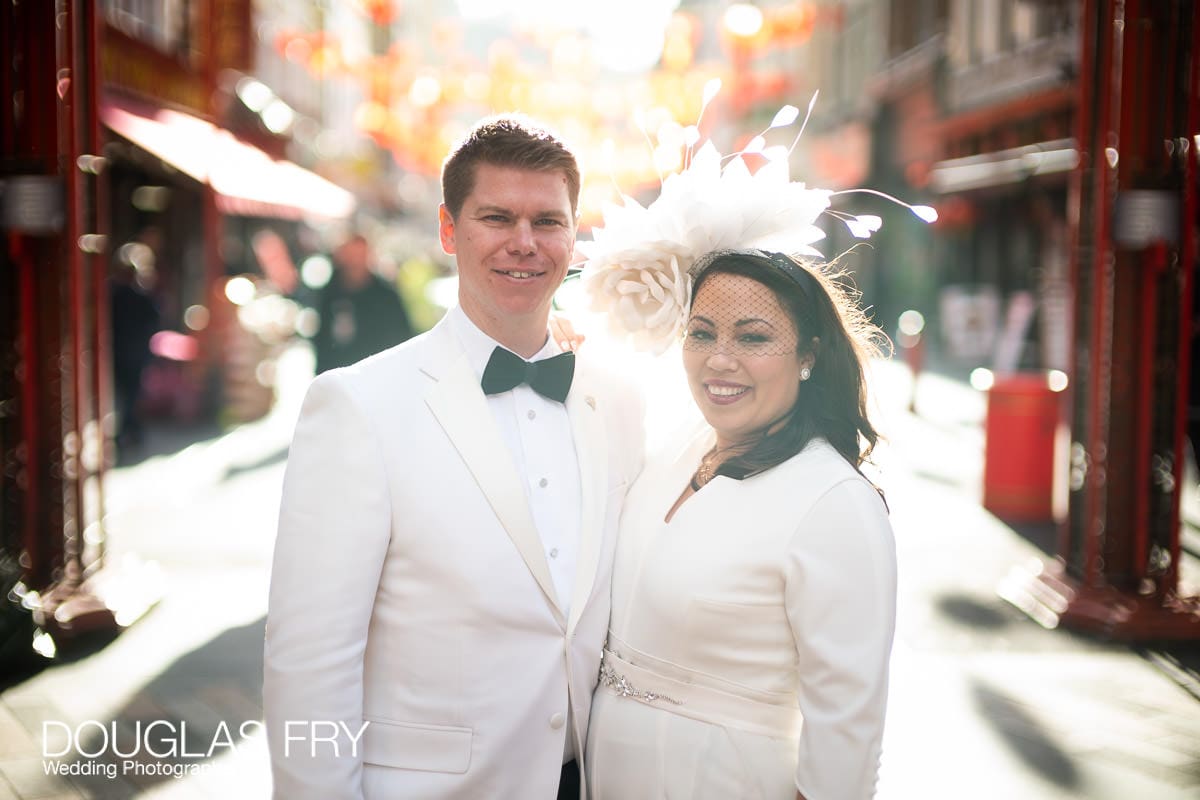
(832, 403)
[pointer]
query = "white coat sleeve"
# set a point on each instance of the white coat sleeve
(840, 595)
(334, 529)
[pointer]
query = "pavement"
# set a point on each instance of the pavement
(985, 703)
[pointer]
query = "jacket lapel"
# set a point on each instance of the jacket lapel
(461, 409)
(591, 448)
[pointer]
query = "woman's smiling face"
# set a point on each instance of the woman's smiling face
(741, 357)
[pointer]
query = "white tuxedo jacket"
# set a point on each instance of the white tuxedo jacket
(410, 592)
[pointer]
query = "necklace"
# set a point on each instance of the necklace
(706, 471)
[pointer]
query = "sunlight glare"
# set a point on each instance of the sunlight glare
(743, 19)
(617, 45)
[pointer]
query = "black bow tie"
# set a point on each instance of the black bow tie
(550, 377)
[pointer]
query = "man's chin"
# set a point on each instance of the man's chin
(525, 307)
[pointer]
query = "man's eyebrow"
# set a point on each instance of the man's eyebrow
(493, 209)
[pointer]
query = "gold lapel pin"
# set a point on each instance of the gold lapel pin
(591, 401)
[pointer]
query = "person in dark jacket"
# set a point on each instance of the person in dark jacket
(360, 313)
(135, 318)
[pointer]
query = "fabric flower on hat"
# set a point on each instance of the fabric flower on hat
(645, 290)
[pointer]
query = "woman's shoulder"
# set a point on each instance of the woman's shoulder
(820, 459)
(836, 491)
(804, 479)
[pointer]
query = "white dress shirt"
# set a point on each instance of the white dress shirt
(537, 431)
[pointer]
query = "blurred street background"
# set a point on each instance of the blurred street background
(206, 201)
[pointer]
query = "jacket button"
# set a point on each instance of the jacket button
(557, 721)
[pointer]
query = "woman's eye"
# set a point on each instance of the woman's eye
(754, 338)
(700, 335)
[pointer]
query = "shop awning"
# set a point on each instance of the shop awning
(1003, 166)
(247, 181)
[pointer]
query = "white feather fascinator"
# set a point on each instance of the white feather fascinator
(638, 262)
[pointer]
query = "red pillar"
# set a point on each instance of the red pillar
(72, 604)
(32, 269)
(1134, 253)
(54, 329)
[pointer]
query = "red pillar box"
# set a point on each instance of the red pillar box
(1023, 412)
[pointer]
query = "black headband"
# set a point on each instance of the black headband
(799, 275)
(796, 273)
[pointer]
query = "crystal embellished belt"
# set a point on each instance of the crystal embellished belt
(775, 715)
(611, 680)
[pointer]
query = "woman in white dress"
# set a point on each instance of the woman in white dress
(754, 586)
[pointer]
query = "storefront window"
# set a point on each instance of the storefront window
(996, 27)
(914, 22)
(165, 24)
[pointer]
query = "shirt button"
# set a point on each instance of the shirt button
(531, 414)
(543, 483)
(554, 552)
(557, 721)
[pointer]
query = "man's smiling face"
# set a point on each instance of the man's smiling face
(513, 241)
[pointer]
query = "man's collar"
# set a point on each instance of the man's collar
(479, 346)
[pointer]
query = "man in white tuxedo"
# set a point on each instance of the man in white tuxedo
(440, 590)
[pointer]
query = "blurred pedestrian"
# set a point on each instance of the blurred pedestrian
(360, 313)
(134, 318)
(440, 588)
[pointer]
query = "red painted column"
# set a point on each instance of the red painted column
(53, 337)
(31, 429)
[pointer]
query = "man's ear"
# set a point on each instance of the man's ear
(446, 229)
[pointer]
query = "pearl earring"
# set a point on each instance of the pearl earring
(805, 373)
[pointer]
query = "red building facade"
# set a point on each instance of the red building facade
(1065, 171)
(114, 128)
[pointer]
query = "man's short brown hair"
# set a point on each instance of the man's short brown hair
(508, 140)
